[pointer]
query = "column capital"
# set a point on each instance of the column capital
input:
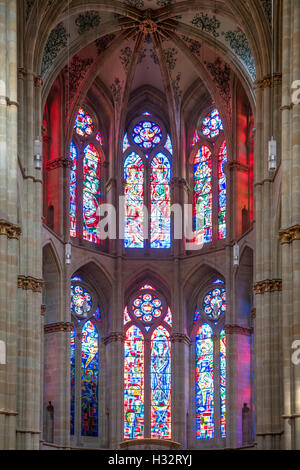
(115, 336)
(266, 81)
(268, 285)
(61, 162)
(238, 330)
(180, 338)
(59, 326)
(30, 283)
(290, 234)
(9, 229)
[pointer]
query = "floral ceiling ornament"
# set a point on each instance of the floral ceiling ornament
(116, 89)
(170, 57)
(58, 40)
(193, 45)
(239, 43)
(267, 6)
(29, 4)
(103, 42)
(87, 21)
(221, 74)
(75, 73)
(176, 89)
(207, 24)
(125, 57)
(135, 3)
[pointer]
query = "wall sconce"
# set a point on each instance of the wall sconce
(37, 149)
(236, 255)
(272, 154)
(68, 249)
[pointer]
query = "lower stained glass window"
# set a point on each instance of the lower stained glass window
(204, 383)
(73, 191)
(161, 384)
(223, 382)
(134, 384)
(72, 366)
(160, 202)
(89, 379)
(134, 201)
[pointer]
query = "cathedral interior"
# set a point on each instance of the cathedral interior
(149, 224)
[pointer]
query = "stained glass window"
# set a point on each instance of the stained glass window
(161, 384)
(160, 202)
(72, 374)
(91, 193)
(134, 384)
(147, 354)
(126, 144)
(168, 145)
(204, 383)
(212, 124)
(223, 382)
(84, 126)
(222, 191)
(214, 303)
(99, 138)
(73, 191)
(147, 135)
(134, 200)
(97, 314)
(203, 196)
(89, 379)
(218, 281)
(196, 138)
(81, 301)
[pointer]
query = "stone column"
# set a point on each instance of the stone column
(9, 225)
(268, 377)
(290, 222)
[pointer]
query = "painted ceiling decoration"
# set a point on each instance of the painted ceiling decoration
(157, 21)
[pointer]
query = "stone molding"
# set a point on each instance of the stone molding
(114, 337)
(290, 234)
(8, 412)
(269, 285)
(266, 82)
(236, 166)
(149, 442)
(43, 309)
(30, 283)
(59, 326)
(9, 229)
(238, 330)
(59, 163)
(180, 338)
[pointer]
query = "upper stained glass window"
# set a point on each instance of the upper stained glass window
(212, 124)
(147, 135)
(85, 182)
(134, 201)
(147, 185)
(146, 343)
(84, 125)
(203, 196)
(210, 183)
(91, 193)
(223, 382)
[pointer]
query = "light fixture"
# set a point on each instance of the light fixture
(272, 154)
(236, 255)
(37, 149)
(68, 253)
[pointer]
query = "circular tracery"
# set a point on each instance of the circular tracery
(214, 303)
(147, 307)
(147, 135)
(81, 300)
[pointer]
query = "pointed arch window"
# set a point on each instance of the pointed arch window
(147, 366)
(147, 160)
(84, 362)
(210, 363)
(209, 176)
(86, 154)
